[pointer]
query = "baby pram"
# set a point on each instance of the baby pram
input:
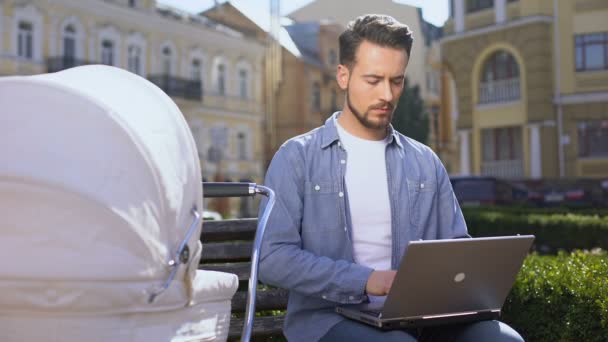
(100, 201)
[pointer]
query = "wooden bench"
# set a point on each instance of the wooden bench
(227, 246)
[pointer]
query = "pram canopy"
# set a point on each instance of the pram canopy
(99, 175)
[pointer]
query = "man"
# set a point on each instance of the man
(350, 196)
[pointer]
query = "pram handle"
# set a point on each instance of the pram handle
(225, 189)
(220, 189)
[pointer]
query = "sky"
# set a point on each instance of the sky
(433, 11)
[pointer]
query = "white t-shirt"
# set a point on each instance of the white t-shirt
(368, 199)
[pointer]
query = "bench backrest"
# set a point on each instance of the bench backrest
(227, 246)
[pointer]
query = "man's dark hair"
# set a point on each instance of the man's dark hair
(379, 29)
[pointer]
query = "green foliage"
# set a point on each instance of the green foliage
(410, 117)
(552, 231)
(562, 297)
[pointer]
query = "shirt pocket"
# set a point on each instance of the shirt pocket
(421, 195)
(321, 205)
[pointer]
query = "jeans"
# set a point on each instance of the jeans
(494, 331)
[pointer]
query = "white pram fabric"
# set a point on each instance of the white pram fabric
(99, 174)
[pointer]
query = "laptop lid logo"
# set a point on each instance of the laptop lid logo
(459, 277)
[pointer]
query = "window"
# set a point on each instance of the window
(107, 52)
(499, 79)
(242, 145)
(166, 60)
(332, 58)
(221, 79)
(593, 138)
(478, 5)
(69, 43)
(25, 40)
(219, 142)
(501, 144)
(195, 69)
(243, 80)
(591, 51)
(134, 59)
(316, 97)
(334, 100)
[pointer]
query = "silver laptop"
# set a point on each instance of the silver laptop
(447, 281)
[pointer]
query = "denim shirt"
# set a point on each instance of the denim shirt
(307, 245)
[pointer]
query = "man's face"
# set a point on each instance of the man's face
(374, 84)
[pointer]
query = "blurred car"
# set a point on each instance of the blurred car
(573, 192)
(485, 190)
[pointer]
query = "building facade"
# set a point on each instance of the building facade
(527, 86)
(212, 72)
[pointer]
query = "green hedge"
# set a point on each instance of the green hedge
(562, 297)
(553, 231)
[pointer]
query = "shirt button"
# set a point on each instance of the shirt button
(317, 187)
(421, 185)
(343, 161)
(341, 194)
(345, 228)
(339, 143)
(324, 296)
(351, 298)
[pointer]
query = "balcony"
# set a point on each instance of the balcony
(499, 91)
(178, 87)
(512, 169)
(54, 64)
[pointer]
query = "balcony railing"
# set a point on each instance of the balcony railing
(59, 63)
(503, 168)
(499, 91)
(179, 87)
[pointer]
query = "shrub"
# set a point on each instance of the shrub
(553, 231)
(560, 298)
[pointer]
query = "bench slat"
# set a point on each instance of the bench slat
(224, 230)
(275, 299)
(262, 326)
(226, 251)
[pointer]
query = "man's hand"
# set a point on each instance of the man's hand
(380, 282)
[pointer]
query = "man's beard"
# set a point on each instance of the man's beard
(364, 118)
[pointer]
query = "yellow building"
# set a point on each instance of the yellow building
(301, 60)
(528, 83)
(213, 73)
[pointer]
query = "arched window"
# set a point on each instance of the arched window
(221, 79)
(167, 57)
(134, 57)
(243, 83)
(69, 43)
(316, 97)
(107, 52)
(499, 79)
(136, 53)
(25, 39)
(196, 69)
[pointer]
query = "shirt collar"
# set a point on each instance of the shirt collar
(330, 132)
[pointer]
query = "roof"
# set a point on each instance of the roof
(305, 36)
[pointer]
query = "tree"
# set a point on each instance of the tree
(410, 117)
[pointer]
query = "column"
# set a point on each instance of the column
(465, 157)
(535, 154)
(459, 16)
(500, 11)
